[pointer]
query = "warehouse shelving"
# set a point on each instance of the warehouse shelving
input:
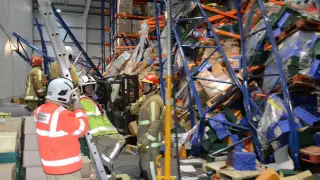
(251, 108)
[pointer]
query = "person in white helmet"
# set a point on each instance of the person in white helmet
(58, 131)
(106, 137)
(55, 70)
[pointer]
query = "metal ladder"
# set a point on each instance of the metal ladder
(48, 16)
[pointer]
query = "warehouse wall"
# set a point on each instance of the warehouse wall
(15, 16)
(74, 22)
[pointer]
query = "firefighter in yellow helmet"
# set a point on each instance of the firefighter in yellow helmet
(150, 124)
(55, 70)
(36, 84)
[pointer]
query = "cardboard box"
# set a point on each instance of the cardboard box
(133, 128)
(31, 159)
(86, 167)
(124, 25)
(31, 142)
(35, 173)
(11, 125)
(8, 171)
(29, 125)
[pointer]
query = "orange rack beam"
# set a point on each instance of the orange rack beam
(130, 16)
(226, 33)
(218, 17)
(217, 11)
(277, 2)
(125, 47)
(126, 35)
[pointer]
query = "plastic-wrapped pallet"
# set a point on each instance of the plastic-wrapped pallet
(148, 9)
(292, 51)
(124, 25)
(125, 6)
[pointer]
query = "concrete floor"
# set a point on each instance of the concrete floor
(129, 164)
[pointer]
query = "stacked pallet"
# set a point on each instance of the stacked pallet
(31, 156)
(10, 148)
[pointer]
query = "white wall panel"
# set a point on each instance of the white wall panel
(15, 16)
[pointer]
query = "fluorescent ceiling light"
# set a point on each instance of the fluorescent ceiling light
(59, 10)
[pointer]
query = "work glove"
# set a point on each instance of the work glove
(142, 148)
(76, 101)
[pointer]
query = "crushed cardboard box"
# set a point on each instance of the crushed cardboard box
(31, 159)
(31, 142)
(8, 171)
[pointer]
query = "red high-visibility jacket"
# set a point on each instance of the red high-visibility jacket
(58, 130)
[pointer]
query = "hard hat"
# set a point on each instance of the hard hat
(151, 78)
(60, 90)
(36, 60)
(69, 50)
(86, 80)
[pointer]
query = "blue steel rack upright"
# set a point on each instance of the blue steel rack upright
(249, 104)
(20, 40)
(44, 49)
(190, 75)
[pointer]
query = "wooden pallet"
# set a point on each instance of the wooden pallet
(229, 172)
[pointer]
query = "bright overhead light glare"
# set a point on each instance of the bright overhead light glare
(59, 10)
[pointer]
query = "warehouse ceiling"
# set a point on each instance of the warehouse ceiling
(76, 6)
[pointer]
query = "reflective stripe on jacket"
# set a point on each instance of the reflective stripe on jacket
(99, 124)
(55, 72)
(36, 85)
(150, 124)
(58, 131)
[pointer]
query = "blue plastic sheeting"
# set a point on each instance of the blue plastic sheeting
(244, 161)
(296, 45)
(305, 116)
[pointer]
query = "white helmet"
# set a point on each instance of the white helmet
(69, 51)
(86, 80)
(60, 90)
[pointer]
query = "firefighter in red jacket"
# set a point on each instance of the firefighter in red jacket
(58, 131)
